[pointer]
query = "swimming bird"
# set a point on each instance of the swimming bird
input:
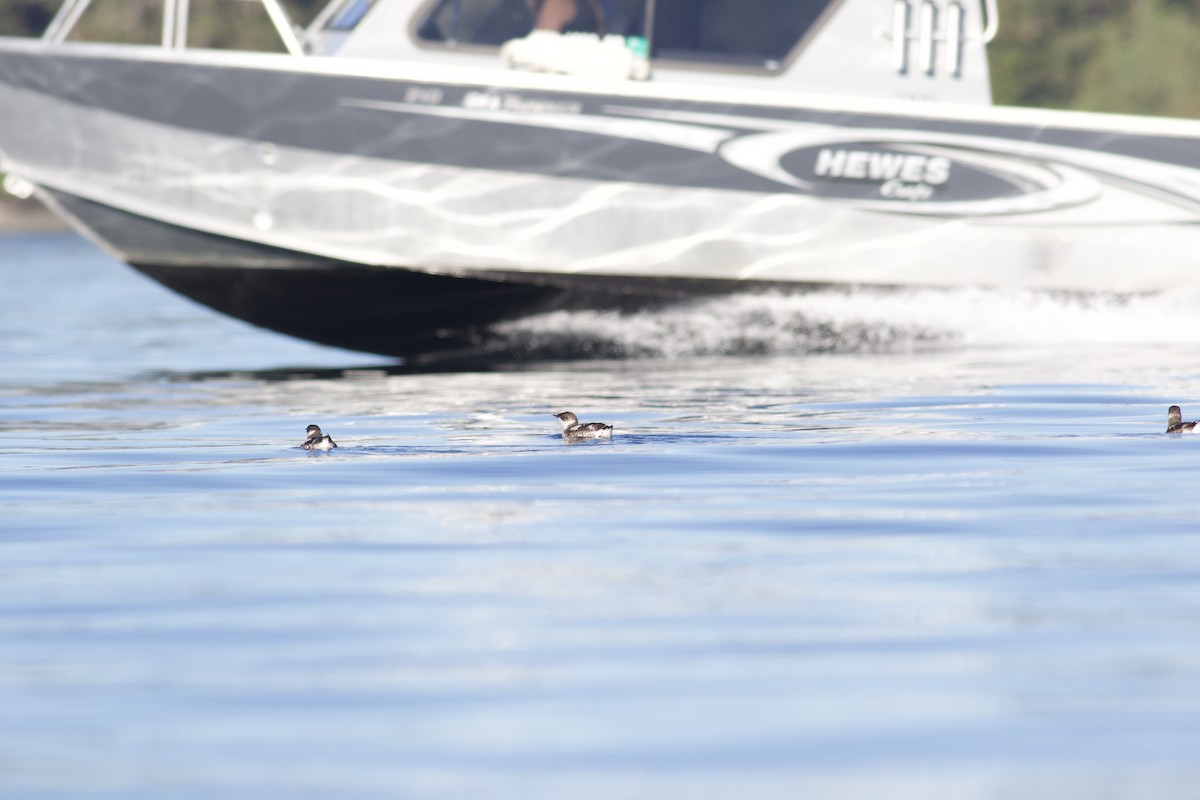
(574, 430)
(1175, 423)
(317, 440)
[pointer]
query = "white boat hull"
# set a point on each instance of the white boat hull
(544, 182)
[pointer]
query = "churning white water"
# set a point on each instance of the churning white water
(860, 320)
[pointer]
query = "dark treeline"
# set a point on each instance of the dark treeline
(1134, 56)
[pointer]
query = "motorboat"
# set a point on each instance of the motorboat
(404, 175)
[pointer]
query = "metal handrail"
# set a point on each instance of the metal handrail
(992, 26)
(63, 21)
(926, 33)
(175, 23)
(283, 26)
(988, 9)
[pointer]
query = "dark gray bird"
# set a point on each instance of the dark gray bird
(317, 440)
(574, 430)
(1175, 423)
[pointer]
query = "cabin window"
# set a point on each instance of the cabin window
(494, 22)
(745, 33)
(754, 33)
(349, 15)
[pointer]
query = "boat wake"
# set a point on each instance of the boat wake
(856, 321)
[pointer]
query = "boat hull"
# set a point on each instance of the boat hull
(451, 201)
(386, 310)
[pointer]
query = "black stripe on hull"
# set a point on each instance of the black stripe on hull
(388, 311)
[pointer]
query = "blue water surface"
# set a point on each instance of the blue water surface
(922, 558)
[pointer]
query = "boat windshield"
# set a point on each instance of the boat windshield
(757, 33)
(348, 15)
(746, 32)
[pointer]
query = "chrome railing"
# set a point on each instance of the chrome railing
(175, 23)
(928, 34)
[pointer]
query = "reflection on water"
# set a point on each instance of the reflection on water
(959, 567)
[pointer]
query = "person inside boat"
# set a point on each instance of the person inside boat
(554, 15)
(494, 22)
(587, 48)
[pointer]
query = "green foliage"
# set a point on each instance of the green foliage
(1128, 56)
